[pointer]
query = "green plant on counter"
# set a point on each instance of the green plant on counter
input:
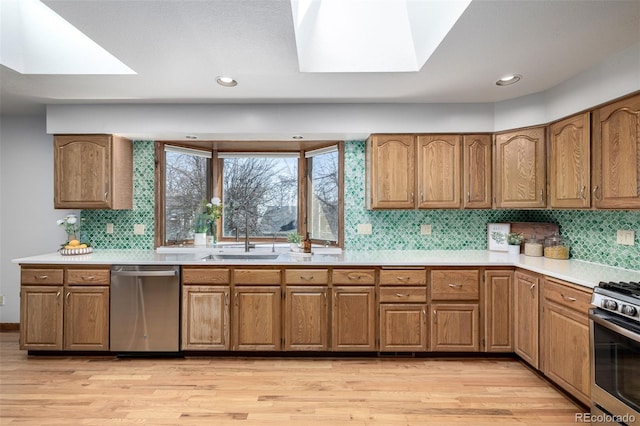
(514, 238)
(294, 237)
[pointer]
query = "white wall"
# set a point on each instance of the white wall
(27, 218)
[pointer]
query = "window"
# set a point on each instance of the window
(268, 193)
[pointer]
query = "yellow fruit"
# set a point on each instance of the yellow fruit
(74, 243)
(69, 247)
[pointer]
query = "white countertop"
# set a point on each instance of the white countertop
(576, 271)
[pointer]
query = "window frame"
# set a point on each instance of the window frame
(215, 187)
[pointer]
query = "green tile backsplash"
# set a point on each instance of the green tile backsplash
(592, 234)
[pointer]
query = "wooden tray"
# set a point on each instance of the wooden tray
(540, 229)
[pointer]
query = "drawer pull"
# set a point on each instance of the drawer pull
(435, 317)
(353, 277)
(89, 278)
(569, 298)
(41, 277)
(455, 285)
(57, 295)
(303, 278)
(403, 278)
(402, 294)
(66, 298)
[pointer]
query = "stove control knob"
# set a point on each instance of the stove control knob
(629, 310)
(610, 304)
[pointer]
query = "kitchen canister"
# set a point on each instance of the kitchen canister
(533, 247)
(556, 247)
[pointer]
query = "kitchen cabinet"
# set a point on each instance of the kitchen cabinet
(477, 172)
(205, 309)
(498, 311)
(455, 308)
(403, 310)
(93, 172)
(570, 162)
(257, 309)
(64, 309)
(390, 168)
(526, 327)
(439, 170)
(353, 313)
(520, 169)
(564, 345)
(306, 310)
(616, 151)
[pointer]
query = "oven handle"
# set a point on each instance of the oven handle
(613, 327)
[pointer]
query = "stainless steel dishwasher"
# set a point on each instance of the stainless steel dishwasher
(145, 308)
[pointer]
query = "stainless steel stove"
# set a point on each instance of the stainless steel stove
(614, 321)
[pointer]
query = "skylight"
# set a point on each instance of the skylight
(36, 40)
(371, 35)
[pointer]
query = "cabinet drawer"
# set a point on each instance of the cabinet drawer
(403, 294)
(565, 295)
(205, 276)
(256, 276)
(306, 276)
(354, 276)
(41, 276)
(88, 276)
(403, 277)
(454, 285)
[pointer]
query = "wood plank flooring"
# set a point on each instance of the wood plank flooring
(272, 391)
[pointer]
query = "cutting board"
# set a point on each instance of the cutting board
(540, 229)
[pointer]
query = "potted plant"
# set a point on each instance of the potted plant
(514, 240)
(294, 240)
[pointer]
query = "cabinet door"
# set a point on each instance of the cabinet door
(454, 327)
(565, 349)
(41, 325)
(520, 172)
(616, 147)
(257, 318)
(353, 318)
(86, 318)
(477, 172)
(403, 327)
(570, 162)
(526, 317)
(205, 317)
(82, 171)
(391, 172)
(498, 311)
(439, 162)
(306, 318)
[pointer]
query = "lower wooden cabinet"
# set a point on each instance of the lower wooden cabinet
(498, 311)
(64, 309)
(403, 327)
(564, 346)
(256, 318)
(353, 324)
(205, 317)
(526, 327)
(455, 327)
(306, 317)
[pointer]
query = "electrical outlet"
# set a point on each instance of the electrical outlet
(626, 238)
(109, 228)
(364, 229)
(138, 229)
(425, 229)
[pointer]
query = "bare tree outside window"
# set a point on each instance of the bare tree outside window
(261, 193)
(185, 187)
(323, 196)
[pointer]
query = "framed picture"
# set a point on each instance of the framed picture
(497, 236)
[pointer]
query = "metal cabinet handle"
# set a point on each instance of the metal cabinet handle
(89, 278)
(41, 277)
(226, 299)
(353, 277)
(569, 298)
(435, 317)
(542, 195)
(402, 278)
(532, 287)
(412, 197)
(303, 278)
(469, 196)
(402, 294)
(106, 196)
(66, 297)
(455, 285)
(582, 192)
(595, 193)
(58, 295)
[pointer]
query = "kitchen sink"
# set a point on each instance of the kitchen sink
(240, 256)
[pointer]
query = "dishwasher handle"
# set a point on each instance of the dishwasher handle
(166, 273)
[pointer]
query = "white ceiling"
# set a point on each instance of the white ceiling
(178, 47)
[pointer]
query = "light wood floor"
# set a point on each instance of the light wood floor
(282, 391)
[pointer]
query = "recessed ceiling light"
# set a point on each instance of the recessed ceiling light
(297, 137)
(226, 81)
(191, 137)
(509, 79)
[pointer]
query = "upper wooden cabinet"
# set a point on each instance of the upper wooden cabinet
(520, 169)
(93, 172)
(570, 162)
(391, 172)
(616, 150)
(439, 171)
(476, 172)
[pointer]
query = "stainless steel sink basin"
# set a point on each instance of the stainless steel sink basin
(240, 256)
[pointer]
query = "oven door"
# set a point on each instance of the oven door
(615, 366)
